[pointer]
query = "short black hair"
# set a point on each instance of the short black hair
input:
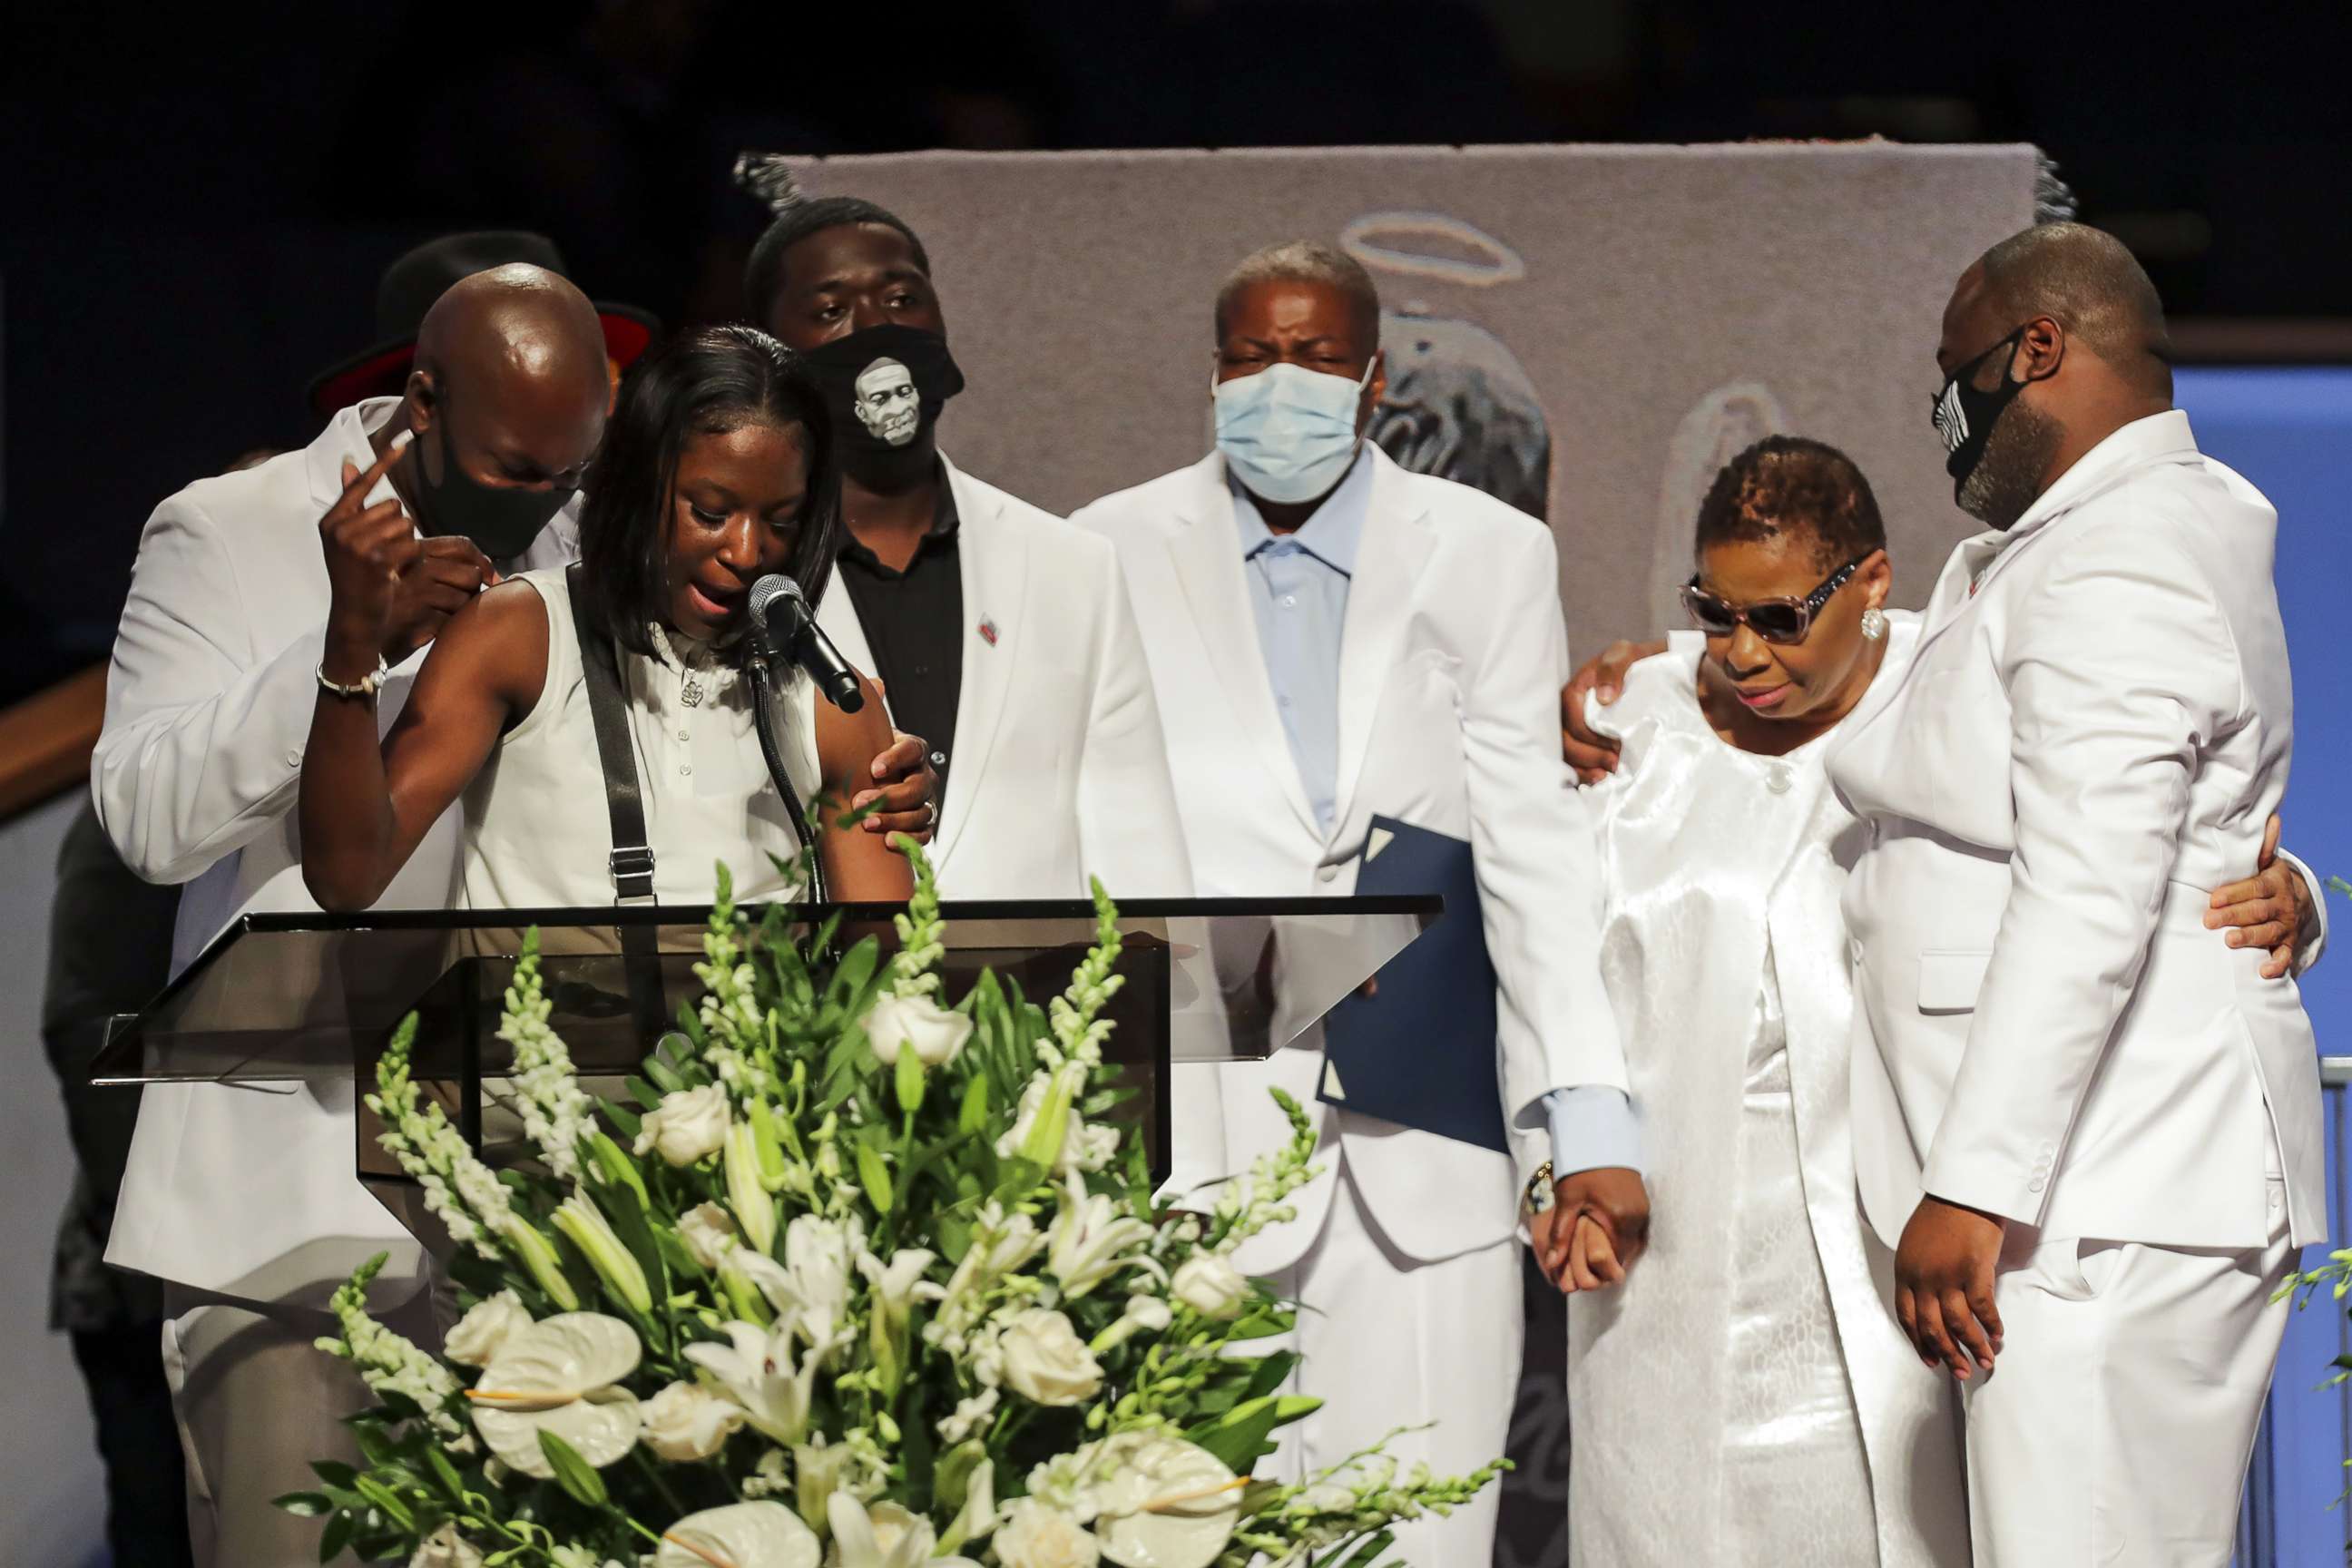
(706, 381)
(2089, 282)
(1306, 261)
(795, 222)
(1791, 486)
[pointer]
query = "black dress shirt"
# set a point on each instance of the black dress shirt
(914, 623)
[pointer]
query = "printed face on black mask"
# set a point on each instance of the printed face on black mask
(885, 384)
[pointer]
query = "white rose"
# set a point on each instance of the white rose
(689, 1124)
(936, 1033)
(1045, 1362)
(685, 1422)
(1210, 1285)
(481, 1333)
(444, 1548)
(1036, 1536)
(708, 1232)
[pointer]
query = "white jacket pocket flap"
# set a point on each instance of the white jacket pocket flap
(1948, 982)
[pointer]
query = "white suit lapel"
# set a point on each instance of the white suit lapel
(994, 555)
(1206, 551)
(1389, 564)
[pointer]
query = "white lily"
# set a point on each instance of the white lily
(1161, 1502)
(818, 1255)
(1088, 1234)
(1000, 1244)
(708, 1232)
(885, 1536)
(740, 1535)
(560, 1375)
(758, 1370)
(899, 1283)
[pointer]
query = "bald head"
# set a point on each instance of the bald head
(511, 326)
(2089, 283)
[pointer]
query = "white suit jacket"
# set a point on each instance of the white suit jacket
(1061, 772)
(2090, 739)
(246, 1192)
(1451, 667)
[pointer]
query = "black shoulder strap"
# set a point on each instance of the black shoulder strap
(633, 856)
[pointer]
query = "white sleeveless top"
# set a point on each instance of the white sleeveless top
(537, 833)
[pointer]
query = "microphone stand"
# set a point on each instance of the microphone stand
(762, 675)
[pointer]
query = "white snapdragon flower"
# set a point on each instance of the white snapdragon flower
(560, 1375)
(689, 1124)
(488, 1324)
(1037, 1535)
(1208, 1284)
(556, 1114)
(1045, 1362)
(934, 1033)
(970, 1416)
(685, 1422)
(708, 1232)
(1091, 1239)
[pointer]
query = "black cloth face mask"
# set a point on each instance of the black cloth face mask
(502, 521)
(1964, 416)
(886, 385)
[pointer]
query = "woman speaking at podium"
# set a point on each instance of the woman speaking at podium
(716, 469)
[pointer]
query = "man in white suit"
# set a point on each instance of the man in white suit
(2091, 1129)
(999, 631)
(1333, 637)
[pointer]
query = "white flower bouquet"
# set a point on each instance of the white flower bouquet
(864, 1280)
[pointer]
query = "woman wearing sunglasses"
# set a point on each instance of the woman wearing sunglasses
(1746, 1397)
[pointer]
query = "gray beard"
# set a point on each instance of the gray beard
(2008, 479)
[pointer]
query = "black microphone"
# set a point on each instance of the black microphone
(782, 628)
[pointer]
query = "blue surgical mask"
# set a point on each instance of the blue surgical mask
(1288, 433)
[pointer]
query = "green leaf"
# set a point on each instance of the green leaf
(910, 1079)
(628, 1121)
(954, 1236)
(663, 1075)
(973, 1117)
(874, 1176)
(1241, 1436)
(578, 1478)
(334, 1473)
(375, 1447)
(453, 1485)
(1270, 1373)
(644, 1093)
(857, 967)
(337, 1535)
(387, 1501)
(1368, 1553)
(304, 1505)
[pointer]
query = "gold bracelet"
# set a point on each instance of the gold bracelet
(1538, 1195)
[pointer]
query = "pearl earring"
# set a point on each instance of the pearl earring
(1874, 623)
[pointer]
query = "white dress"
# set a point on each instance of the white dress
(537, 833)
(1746, 1396)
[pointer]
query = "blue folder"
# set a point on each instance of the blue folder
(1421, 1050)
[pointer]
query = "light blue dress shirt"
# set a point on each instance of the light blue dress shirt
(1299, 593)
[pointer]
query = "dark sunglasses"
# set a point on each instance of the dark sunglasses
(1774, 620)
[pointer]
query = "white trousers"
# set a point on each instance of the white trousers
(2117, 1424)
(1388, 1342)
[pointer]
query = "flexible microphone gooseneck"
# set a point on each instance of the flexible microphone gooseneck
(783, 633)
(784, 629)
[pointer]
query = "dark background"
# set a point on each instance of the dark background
(195, 201)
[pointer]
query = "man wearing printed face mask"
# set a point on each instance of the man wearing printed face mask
(1342, 639)
(2090, 1132)
(998, 631)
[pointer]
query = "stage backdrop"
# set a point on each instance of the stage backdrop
(1587, 332)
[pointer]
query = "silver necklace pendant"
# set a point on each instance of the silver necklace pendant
(691, 692)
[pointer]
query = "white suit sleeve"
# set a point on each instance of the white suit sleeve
(2119, 670)
(202, 745)
(2315, 943)
(1531, 836)
(1129, 834)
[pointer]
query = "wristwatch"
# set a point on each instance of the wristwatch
(364, 689)
(1538, 1196)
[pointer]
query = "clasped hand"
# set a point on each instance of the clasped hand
(1944, 1286)
(1597, 1226)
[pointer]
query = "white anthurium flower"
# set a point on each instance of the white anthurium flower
(758, 1371)
(488, 1324)
(1208, 1284)
(1161, 1502)
(1088, 1238)
(444, 1548)
(685, 1422)
(740, 1535)
(1045, 1362)
(560, 1375)
(689, 1124)
(934, 1033)
(708, 1232)
(1038, 1535)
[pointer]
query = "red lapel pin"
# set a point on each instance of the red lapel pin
(988, 631)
